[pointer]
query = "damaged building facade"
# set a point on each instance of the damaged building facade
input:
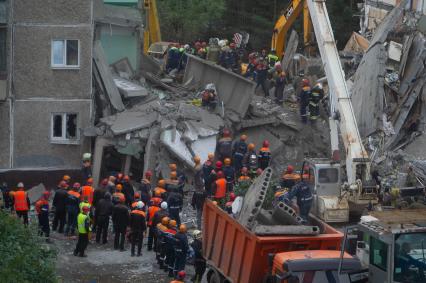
(49, 84)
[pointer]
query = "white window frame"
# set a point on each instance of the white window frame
(64, 66)
(63, 139)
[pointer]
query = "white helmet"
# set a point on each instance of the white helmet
(318, 85)
(140, 205)
(164, 205)
(196, 234)
(20, 185)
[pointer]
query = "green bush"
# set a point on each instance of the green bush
(24, 257)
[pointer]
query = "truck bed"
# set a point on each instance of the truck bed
(242, 257)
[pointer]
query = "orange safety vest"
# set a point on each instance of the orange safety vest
(151, 212)
(76, 194)
(39, 204)
(220, 188)
(21, 203)
(292, 176)
(138, 212)
(243, 178)
(87, 191)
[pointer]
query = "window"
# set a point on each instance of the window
(64, 127)
(378, 253)
(65, 53)
(409, 257)
(328, 175)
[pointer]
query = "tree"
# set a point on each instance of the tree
(23, 255)
(187, 20)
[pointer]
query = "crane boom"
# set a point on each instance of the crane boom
(357, 160)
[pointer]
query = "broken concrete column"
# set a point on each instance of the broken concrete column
(254, 199)
(265, 218)
(286, 230)
(285, 214)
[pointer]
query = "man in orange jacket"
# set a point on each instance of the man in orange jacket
(87, 191)
(220, 189)
(42, 210)
(21, 203)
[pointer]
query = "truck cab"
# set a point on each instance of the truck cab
(324, 178)
(316, 266)
(394, 243)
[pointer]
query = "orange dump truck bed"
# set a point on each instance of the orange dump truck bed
(240, 256)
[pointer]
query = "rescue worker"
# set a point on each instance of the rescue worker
(84, 202)
(110, 187)
(145, 188)
(99, 194)
(103, 213)
(67, 179)
(244, 179)
(120, 220)
(303, 194)
(199, 261)
(6, 196)
(224, 145)
(238, 152)
(173, 57)
(304, 98)
(280, 81)
(289, 178)
(72, 206)
(42, 210)
(179, 176)
(198, 176)
(118, 194)
(272, 58)
(83, 223)
(152, 210)
(160, 189)
(174, 202)
(181, 249)
(209, 98)
(259, 172)
(207, 169)
(172, 183)
(250, 160)
(169, 247)
(128, 190)
(180, 277)
(262, 76)
(264, 155)
(21, 203)
(136, 198)
(158, 216)
(87, 191)
(317, 94)
(229, 173)
(59, 203)
(86, 169)
(220, 189)
(197, 203)
(138, 227)
(161, 241)
(411, 180)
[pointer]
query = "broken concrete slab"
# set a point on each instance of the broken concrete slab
(124, 66)
(203, 146)
(149, 65)
(290, 50)
(395, 51)
(152, 150)
(286, 230)
(172, 140)
(249, 123)
(129, 89)
(265, 218)
(356, 43)
(233, 90)
(129, 121)
(285, 214)
(104, 71)
(192, 112)
(195, 130)
(35, 193)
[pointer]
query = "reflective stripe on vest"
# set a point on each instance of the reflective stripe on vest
(81, 223)
(21, 203)
(220, 188)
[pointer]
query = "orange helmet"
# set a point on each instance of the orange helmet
(90, 181)
(173, 175)
(119, 187)
(251, 146)
(211, 156)
(162, 183)
(173, 167)
(182, 228)
(66, 178)
(157, 193)
(197, 159)
(227, 161)
(165, 220)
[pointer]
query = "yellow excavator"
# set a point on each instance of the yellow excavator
(152, 32)
(284, 23)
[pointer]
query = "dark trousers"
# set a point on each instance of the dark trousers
(151, 238)
(200, 268)
(162, 253)
(7, 200)
(137, 239)
(59, 219)
(71, 221)
(102, 228)
(119, 237)
(170, 257)
(303, 113)
(174, 214)
(180, 261)
(262, 83)
(304, 208)
(83, 240)
(238, 163)
(23, 214)
(43, 223)
(314, 111)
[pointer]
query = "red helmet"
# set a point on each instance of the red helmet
(220, 175)
(231, 196)
(156, 201)
(148, 174)
(290, 169)
(265, 143)
(46, 194)
(244, 170)
(219, 164)
(226, 133)
(63, 184)
(181, 275)
(76, 186)
(86, 208)
(232, 45)
(305, 82)
(137, 195)
(259, 171)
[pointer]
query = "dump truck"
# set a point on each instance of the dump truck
(236, 254)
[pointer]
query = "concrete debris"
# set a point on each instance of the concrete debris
(35, 193)
(290, 50)
(129, 89)
(129, 121)
(286, 230)
(356, 43)
(286, 215)
(395, 51)
(123, 66)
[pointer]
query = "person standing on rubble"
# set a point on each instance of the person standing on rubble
(120, 219)
(197, 203)
(272, 58)
(42, 210)
(224, 145)
(181, 249)
(280, 80)
(304, 197)
(200, 264)
(262, 76)
(229, 172)
(138, 227)
(73, 208)
(264, 155)
(21, 203)
(304, 98)
(103, 212)
(128, 191)
(317, 94)
(152, 210)
(59, 203)
(174, 202)
(83, 223)
(238, 152)
(207, 169)
(169, 247)
(289, 178)
(160, 190)
(250, 160)
(244, 179)
(160, 222)
(411, 180)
